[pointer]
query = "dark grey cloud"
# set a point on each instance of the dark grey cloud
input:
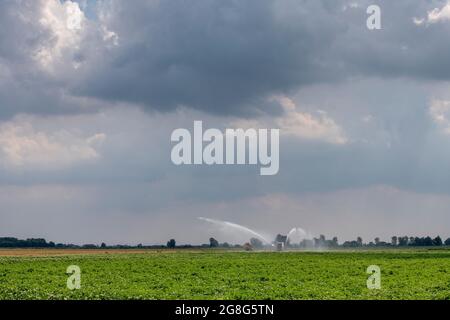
(226, 57)
(222, 57)
(219, 56)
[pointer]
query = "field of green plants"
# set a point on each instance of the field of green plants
(209, 274)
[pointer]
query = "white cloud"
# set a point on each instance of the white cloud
(437, 15)
(23, 147)
(434, 16)
(320, 127)
(66, 23)
(418, 21)
(69, 35)
(440, 113)
(305, 125)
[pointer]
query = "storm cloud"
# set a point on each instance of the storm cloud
(221, 57)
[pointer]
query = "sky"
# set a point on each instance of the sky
(90, 92)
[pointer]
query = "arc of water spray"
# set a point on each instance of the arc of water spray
(235, 226)
(300, 231)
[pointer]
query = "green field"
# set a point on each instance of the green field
(208, 274)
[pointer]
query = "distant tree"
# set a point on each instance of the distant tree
(394, 241)
(89, 246)
(103, 245)
(350, 244)
(377, 241)
(335, 242)
(437, 241)
(320, 242)
(359, 240)
(213, 243)
(428, 242)
(256, 243)
(447, 242)
(171, 243)
(225, 245)
(403, 241)
(248, 247)
(36, 243)
(9, 242)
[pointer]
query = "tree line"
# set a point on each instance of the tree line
(10, 242)
(320, 242)
(402, 241)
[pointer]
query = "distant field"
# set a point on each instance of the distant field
(218, 274)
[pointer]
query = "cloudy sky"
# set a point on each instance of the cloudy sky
(90, 92)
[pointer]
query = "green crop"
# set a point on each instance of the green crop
(209, 274)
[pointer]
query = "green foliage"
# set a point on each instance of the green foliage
(222, 274)
(171, 243)
(213, 243)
